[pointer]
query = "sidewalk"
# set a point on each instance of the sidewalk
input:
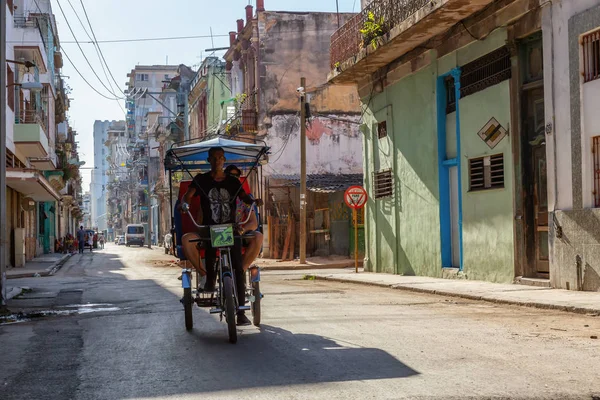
(44, 265)
(529, 296)
(331, 262)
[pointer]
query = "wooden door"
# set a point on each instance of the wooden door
(540, 207)
(537, 189)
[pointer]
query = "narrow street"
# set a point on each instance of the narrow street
(117, 332)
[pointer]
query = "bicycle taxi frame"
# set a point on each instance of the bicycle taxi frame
(188, 158)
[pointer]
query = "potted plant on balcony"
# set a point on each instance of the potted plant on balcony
(372, 29)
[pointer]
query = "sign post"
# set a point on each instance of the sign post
(355, 198)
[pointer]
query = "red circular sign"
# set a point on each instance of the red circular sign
(356, 197)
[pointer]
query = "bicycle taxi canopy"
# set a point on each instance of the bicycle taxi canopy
(195, 156)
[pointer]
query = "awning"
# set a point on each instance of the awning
(31, 183)
(322, 183)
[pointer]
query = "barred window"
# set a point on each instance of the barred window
(591, 56)
(383, 183)
(486, 172)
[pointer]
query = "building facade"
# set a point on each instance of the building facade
(145, 85)
(269, 54)
(454, 146)
(38, 173)
(208, 91)
(571, 37)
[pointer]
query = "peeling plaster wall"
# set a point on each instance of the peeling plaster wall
(332, 146)
(295, 45)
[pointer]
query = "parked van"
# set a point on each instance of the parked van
(134, 234)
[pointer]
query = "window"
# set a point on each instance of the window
(10, 90)
(486, 172)
(479, 75)
(142, 77)
(596, 160)
(383, 183)
(591, 56)
(382, 129)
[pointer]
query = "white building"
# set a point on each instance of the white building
(146, 83)
(571, 31)
(100, 172)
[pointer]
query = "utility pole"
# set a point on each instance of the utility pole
(303, 170)
(3, 122)
(148, 201)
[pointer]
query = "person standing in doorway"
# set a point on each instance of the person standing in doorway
(81, 239)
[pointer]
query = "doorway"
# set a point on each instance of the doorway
(533, 160)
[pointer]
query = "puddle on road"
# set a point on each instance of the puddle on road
(67, 310)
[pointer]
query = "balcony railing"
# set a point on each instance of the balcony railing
(246, 115)
(383, 15)
(30, 21)
(33, 117)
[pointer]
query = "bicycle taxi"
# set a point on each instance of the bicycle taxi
(186, 160)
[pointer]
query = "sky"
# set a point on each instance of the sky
(141, 19)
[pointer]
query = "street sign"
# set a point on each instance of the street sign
(355, 197)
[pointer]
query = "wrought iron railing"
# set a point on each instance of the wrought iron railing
(33, 117)
(347, 41)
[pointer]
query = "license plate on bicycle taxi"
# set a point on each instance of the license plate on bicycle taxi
(221, 236)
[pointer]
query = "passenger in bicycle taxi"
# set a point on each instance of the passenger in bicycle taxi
(253, 243)
(218, 194)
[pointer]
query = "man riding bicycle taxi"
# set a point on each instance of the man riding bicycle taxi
(218, 194)
(254, 242)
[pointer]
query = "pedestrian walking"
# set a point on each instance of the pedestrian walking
(81, 238)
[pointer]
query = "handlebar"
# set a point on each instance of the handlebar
(186, 208)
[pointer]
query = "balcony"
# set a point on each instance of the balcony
(245, 118)
(30, 134)
(387, 29)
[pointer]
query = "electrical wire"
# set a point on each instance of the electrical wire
(85, 80)
(98, 46)
(97, 53)
(83, 53)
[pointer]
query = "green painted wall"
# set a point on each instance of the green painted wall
(217, 93)
(488, 240)
(402, 232)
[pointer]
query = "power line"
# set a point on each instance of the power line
(85, 80)
(98, 47)
(83, 53)
(97, 53)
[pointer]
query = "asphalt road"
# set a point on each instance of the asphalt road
(115, 330)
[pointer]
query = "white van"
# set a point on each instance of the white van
(134, 234)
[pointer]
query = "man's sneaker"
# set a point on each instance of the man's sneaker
(242, 320)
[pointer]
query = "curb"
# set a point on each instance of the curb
(531, 304)
(51, 270)
(288, 267)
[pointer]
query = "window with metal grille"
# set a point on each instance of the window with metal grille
(382, 129)
(10, 90)
(591, 56)
(383, 183)
(479, 75)
(596, 159)
(486, 172)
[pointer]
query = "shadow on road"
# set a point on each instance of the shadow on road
(144, 350)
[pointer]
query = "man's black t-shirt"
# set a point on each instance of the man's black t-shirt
(217, 198)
